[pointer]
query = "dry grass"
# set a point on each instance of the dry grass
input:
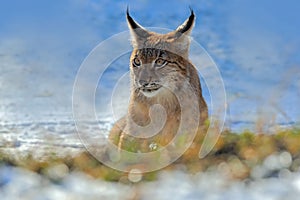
(236, 154)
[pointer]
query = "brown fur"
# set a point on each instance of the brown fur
(173, 49)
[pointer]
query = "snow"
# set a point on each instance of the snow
(21, 184)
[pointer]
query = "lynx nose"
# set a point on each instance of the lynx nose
(143, 83)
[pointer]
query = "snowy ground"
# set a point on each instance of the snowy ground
(60, 138)
(16, 183)
(59, 183)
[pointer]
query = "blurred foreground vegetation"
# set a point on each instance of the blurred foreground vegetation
(239, 156)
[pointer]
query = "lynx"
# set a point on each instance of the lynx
(160, 71)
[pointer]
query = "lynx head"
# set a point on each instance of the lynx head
(159, 62)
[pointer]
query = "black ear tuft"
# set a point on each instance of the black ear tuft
(131, 22)
(138, 33)
(188, 23)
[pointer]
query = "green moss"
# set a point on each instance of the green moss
(247, 138)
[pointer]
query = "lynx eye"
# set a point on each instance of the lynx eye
(160, 62)
(136, 62)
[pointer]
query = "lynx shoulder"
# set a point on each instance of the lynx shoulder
(164, 83)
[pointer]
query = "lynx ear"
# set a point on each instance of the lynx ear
(138, 33)
(182, 35)
(187, 26)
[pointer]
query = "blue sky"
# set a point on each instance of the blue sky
(256, 45)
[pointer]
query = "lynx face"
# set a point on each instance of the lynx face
(158, 62)
(156, 72)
